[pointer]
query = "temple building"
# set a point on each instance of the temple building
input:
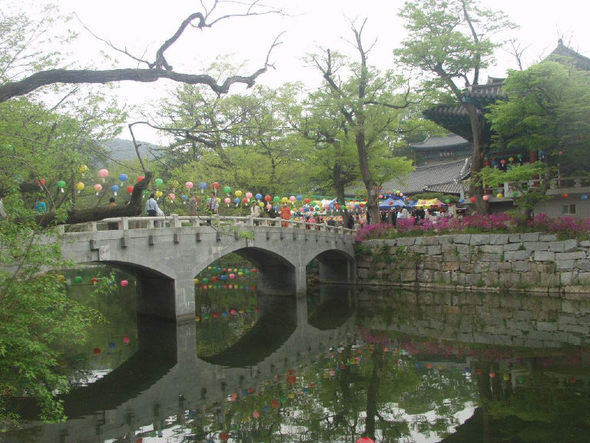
(567, 195)
(442, 165)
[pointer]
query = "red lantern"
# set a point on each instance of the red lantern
(126, 340)
(365, 440)
(503, 161)
(224, 436)
(197, 199)
(96, 351)
(306, 200)
(94, 280)
(473, 199)
(492, 375)
(140, 178)
(245, 200)
(267, 198)
(274, 404)
(215, 185)
(130, 189)
(124, 283)
(564, 195)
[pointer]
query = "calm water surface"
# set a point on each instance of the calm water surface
(333, 367)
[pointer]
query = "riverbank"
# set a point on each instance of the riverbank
(522, 262)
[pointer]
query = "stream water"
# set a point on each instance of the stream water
(337, 365)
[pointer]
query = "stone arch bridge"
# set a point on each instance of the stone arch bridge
(166, 253)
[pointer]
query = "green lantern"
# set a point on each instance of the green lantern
(61, 185)
(227, 189)
(158, 181)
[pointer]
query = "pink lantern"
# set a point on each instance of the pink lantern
(97, 188)
(365, 440)
(124, 283)
(293, 199)
(486, 197)
(248, 195)
(232, 276)
(171, 196)
(227, 201)
(189, 185)
(126, 340)
(103, 173)
(268, 207)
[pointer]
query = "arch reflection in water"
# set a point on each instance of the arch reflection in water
(419, 366)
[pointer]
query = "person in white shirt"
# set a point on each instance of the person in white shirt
(151, 207)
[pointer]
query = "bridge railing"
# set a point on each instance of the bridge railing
(179, 221)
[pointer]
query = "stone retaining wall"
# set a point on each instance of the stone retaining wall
(526, 262)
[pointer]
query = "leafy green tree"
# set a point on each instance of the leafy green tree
(547, 108)
(35, 314)
(371, 104)
(451, 42)
(244, 140)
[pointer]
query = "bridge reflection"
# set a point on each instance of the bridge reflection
(435, 328)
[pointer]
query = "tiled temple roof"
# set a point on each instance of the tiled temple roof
(430, 175)
(445, 142)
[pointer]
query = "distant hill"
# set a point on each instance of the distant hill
(121, 149)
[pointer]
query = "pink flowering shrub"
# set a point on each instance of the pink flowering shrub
(564, 227)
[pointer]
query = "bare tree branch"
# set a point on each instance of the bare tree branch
(158, 69)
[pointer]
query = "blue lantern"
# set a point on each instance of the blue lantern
(123, 178)
(114, 188)
(258, 196)
(584, 197)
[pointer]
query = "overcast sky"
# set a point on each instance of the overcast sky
(142, 26)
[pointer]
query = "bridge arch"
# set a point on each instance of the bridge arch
(167, 260)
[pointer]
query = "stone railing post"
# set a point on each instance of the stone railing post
(124, 224)
(175, 221)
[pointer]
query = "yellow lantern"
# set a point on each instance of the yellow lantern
(79, 186)
(82, 169)
(500, 195)
(159, 194)
(238, 194)
(284, 200)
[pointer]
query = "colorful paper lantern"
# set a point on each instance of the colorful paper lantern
(130, 189)
(159, 194)
(126, 340)
(227, 201)
(172, 196)
(486, 197)
(80, 186)
(238, 193)
(82, 168)
(103, 173)
(564, 195)
(123, 178)
(248, 195)
(158, 182)
(140, 178)
(124, 283)
(189, 185)
(202, 186)
(114, 189)
(61, 185)
(499, 195)
(97, 187)
(215, 185)
(258, 196)
(268, 198)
